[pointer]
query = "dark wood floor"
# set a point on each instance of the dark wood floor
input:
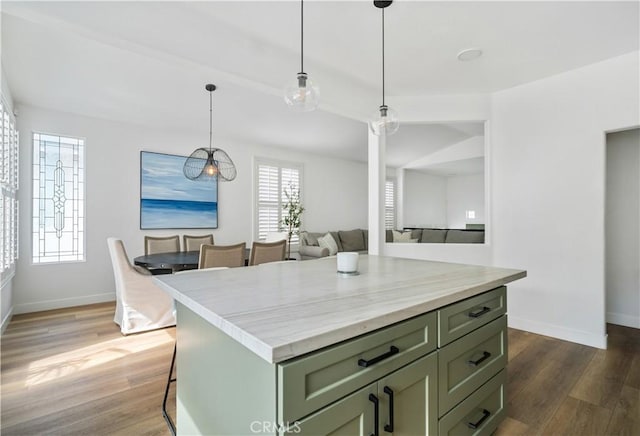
(70, 372)
(561, 388)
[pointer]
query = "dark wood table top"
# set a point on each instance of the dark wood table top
(176, 261)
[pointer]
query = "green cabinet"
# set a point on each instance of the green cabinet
(463, 317)
(467, 363)
(472, 356)
(480, 413)
(435, 373)
(405, 401)
(413, 390)
(351, 416)
(310, 382)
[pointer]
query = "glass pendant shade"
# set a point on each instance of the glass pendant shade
(384, 121)
(302, 95)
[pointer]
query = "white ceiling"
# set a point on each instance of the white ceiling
(147, 62)
(463, 167)
(414, 141)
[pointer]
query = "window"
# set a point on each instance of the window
(9, 203)
(273, 180)
(389, 205)
(58, 199)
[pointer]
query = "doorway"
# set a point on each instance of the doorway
(622, 228)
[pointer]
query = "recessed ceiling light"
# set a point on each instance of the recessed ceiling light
(469, 54)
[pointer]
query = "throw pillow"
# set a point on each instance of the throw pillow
(327, 241)
(352, 240)
(434, 235)
(401, 236)
(310, 238)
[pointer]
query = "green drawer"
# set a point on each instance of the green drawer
(466, 364)
(310, 382)
(481, 413)
(458, 319)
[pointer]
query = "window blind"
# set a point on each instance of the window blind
(273, 181)
(389, 205)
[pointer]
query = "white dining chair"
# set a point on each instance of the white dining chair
(140, 304)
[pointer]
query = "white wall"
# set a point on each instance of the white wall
(335, 197)
(440, 201)
(424, 203)
(465, 192)
(7, 304)
(548, 185)
(622, 232)
(6, 293)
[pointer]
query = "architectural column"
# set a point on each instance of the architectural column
(399, 198)
(377, 174)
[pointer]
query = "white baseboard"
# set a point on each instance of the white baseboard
(622, 319)
(6, 320)
(559, 332)
(63, 302)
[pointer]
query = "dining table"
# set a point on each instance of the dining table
(168, 263)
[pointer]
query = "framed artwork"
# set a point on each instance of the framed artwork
(168, 200)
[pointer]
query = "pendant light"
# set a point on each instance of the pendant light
(207, 164)
(385, 120)
(302, 95)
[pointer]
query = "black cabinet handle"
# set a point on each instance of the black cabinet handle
(389, 427)
(365, 363)
(485, 356)
(479, 312)
(478, 423)
(376, 413)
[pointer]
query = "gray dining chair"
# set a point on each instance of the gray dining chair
(161, 244)
(193, 243)
(222, 255)
(265, 252)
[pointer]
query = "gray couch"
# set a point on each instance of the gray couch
(347, 240)
(444, 236)
(358, 239)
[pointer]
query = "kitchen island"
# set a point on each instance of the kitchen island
(295, 347)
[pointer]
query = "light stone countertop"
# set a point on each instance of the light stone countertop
(284, 310)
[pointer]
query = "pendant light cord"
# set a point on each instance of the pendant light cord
(302, 36)
(210, 121)
(383, 57)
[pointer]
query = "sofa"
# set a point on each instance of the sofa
(347, 240)
(444, 236)
(358, 239)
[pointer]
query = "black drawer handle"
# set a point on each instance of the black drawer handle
(485, 356)
(365, 363)
(478, 423)
(389, 427)
(376, 413)
(479, 312)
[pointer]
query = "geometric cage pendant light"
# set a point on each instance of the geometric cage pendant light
(302, 95)
(385, 120)
(207, 164)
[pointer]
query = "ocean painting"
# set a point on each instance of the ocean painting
(168, 200)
